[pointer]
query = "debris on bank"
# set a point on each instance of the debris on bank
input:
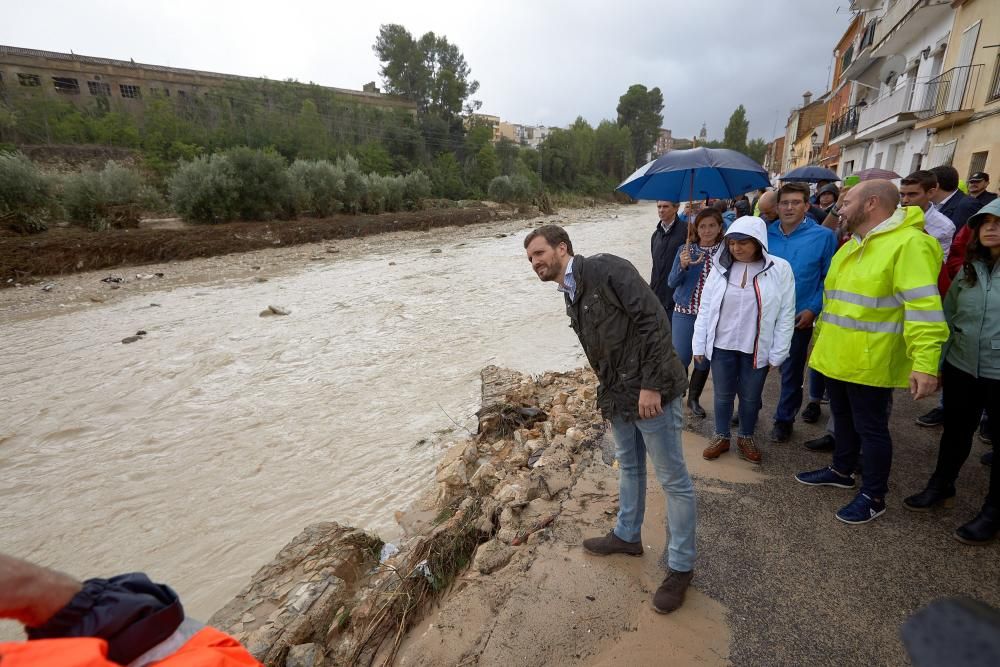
(341, 597)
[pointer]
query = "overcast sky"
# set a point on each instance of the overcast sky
(537, 62)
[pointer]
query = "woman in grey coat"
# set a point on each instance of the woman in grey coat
(971, 371)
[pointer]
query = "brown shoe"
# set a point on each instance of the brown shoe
(670, 595)
(748, 449)
(718, 446)
(611, 544)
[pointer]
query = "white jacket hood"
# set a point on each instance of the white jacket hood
(753, 227)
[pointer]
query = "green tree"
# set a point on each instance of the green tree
(641, 111)
(482, 168)
(311, 137)
(429, 71)
(613, 150)
(757, 149)
(446, 177)
(736, 131)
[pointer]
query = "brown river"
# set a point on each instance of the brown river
(197, 452)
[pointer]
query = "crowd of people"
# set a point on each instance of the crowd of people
(869, 286)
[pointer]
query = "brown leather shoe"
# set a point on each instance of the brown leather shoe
(611, 544)
(670, 595)
(716, 448)
(748, 449)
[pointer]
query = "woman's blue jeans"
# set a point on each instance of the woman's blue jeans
(682, 334)
(733, 375)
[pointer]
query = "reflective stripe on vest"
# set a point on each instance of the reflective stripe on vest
(893, 301)
(863, 325)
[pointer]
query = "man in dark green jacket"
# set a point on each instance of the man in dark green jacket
(625, 333)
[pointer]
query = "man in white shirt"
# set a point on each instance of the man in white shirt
(918, 189)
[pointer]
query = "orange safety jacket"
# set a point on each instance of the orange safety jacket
(208, 647)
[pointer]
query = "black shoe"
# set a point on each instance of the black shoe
(695, 388)
(986, 459)
(812, 413)
(611, 544)
(929, 498)
(984, 433)
(824, 443)
(933, 418)
(781, 432)
(982, 529)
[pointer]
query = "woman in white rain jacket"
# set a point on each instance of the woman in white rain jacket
(744, 326)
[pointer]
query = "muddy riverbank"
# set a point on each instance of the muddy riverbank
(66, 250)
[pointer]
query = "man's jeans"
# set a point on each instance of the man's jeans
(861, 418)
(661, 438)
(733, 375)
(792, 374)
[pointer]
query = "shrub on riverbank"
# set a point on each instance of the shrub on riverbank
(26, 195)
(112, 197)
(204, 189)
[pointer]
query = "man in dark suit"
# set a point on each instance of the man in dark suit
(670, 234)
(979, 183)
(957, 205)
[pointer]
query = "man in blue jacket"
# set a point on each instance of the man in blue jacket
(808, 247)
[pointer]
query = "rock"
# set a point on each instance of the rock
(435, 251)
(501, 236)
(274, 310)
(454, 474)
(332, 251)
(316, 259)
(470, 454)
(260, 279)
(589, 393)
(97, 299)
(484, 479)
(392, 263)
(574, 435)
(534, 445)
(131, 339)
(144, 276)
(491, 556)
(562, 423)
(49, 287)
(140, 332)
(305, 655)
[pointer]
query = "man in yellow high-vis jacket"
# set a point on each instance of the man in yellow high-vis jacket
(882, 327)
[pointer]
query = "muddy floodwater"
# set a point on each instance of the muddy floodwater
(197, 452)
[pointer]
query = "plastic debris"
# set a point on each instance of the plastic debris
(388, 551)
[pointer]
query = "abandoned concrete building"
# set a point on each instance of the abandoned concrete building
(85, 79)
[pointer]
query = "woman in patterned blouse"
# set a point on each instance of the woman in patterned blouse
(690, 270)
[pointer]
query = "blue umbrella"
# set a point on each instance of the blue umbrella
(810, 174)
(696, 173)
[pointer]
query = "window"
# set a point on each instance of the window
(130, 91)
(99, 88)
(915, 162)
(994, 91)
(848, 168)
(65, 85)
(159, 92)
(878, 161)
(978, 162)
(30, 80)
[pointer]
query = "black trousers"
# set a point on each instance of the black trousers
(861, 425)
(967, 398)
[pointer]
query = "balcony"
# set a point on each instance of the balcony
(905, 22)
(894, 111)
(861, 53)
(844, 126)
(948, 97)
